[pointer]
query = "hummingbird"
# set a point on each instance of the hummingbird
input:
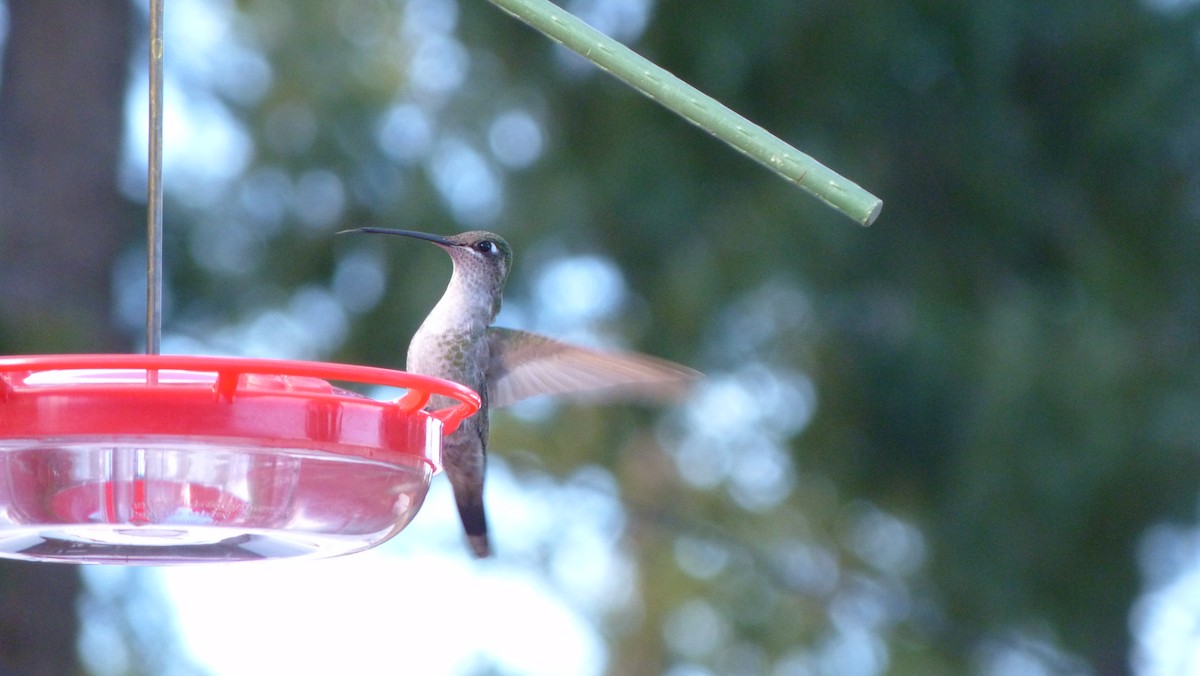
(457, 342)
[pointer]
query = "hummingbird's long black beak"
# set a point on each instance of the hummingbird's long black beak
(436, 239)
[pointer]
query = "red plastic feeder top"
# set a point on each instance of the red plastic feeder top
(156, 459)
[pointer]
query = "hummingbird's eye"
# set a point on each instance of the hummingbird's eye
(487, 246)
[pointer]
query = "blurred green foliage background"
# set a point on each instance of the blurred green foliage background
(941, 444)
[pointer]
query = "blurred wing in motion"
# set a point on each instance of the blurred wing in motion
(526, 365)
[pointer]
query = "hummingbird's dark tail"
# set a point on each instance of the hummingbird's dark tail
(474, 521)
(480, 545)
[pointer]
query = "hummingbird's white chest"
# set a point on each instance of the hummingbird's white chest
(452, 341)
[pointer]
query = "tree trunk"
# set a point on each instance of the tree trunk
(61, 216)
(62, 221)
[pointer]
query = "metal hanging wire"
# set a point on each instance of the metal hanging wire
(154, 273)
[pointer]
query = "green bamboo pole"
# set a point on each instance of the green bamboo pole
(697, 107)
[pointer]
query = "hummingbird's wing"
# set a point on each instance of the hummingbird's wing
(526, 364)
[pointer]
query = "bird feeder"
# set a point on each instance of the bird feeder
(152, 458)
(171, 458)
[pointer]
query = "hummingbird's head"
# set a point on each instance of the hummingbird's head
(481, 259)
(480, 254)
